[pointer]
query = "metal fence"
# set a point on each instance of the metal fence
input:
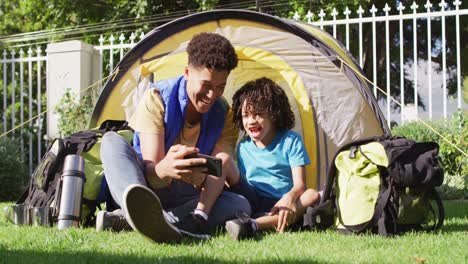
(23, 97)
(419, 16)
(24, 72)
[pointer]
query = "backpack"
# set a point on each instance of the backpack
(384, 185)
(45, 186)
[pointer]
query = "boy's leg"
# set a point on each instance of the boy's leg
(244, 226)
(214, 185)
(210, 192)
(244, 189)
(225, 208)
(308, 198)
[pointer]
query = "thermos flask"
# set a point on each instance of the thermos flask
(72, 192)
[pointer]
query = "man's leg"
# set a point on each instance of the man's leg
(122, 165)
(124, 172)
(144, 213)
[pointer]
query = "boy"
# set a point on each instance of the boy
(271, 160)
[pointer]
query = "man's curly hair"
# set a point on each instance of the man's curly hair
(212, 51)
(265, 97)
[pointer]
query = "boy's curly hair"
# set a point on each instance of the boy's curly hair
(263, 96)
(212, 51)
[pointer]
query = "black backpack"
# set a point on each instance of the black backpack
(45, 185)
(383, 185)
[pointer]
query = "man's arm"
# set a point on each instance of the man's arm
(153, 151)
(161, 169)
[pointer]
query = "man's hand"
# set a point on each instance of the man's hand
(174, 166)
(286, 210)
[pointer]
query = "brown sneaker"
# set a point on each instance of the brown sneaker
(113, 221)
(240, 228)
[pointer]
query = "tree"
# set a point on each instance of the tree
(88, 18)
(302, 7)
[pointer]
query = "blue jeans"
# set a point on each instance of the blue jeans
(260, 205)
(123, 166)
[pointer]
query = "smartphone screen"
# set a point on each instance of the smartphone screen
(213, 164)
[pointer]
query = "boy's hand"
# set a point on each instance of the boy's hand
(286, 209)
(174, 166)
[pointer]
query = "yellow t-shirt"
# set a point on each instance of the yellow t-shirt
(149, 118)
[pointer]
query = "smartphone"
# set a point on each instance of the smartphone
(213, 164)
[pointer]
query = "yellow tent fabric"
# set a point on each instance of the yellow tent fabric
(332, 105)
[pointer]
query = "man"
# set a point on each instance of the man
(163, 194)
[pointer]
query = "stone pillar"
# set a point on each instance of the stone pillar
(70, 64)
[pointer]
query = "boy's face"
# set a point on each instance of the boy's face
(259, 127)
(204, 86)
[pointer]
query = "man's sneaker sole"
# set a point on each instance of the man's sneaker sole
(144, 213)
(199, 236)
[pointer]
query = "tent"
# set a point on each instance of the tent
(332, 103)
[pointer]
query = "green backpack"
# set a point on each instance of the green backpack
(45, 186)
(383, 185)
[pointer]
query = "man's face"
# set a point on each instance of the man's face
(204, 86)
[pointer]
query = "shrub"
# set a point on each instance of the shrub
(14, 174)
(74, 115)
(454, 162)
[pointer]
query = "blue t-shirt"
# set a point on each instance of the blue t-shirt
(268, 170)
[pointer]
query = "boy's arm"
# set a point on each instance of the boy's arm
(224, 149)
(299, 185)
(286, 206)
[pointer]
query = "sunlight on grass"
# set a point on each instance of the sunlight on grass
(50, 245)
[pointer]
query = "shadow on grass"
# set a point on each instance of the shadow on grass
(24, 256)
(456, 209)
(454, 227)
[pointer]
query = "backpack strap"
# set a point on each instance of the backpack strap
(379, 214)
(331, 174)
(440, 209)
(114, 125)
(327, 208)
(381, 208)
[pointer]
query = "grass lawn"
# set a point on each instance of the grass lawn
(50, 245)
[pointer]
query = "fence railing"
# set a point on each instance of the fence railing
(419, 16)
(23, 94)
(114, 51)
(421, 75)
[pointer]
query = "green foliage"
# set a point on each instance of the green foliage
(454, 187)
(13, 171)
(455, 163)
(20, 16)
(74, 115)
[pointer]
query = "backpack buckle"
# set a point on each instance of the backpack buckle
(352, 152)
